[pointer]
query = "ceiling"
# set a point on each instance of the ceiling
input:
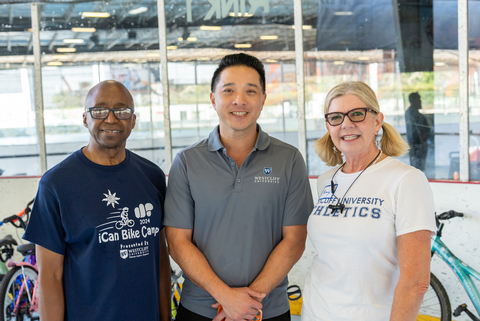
(127, 30)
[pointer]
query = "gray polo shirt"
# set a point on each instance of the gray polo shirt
(237, 214)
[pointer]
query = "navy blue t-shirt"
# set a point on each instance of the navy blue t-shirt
(106, 221)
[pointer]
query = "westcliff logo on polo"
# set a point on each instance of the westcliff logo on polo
(266, 178)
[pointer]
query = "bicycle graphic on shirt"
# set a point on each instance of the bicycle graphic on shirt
(124, 220)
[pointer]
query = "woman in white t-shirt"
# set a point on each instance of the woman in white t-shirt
(372, 223)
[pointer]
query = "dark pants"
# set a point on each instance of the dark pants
(418, 155)
(187, 315)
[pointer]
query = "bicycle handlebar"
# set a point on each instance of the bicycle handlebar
(17, 217)
(448, 215)
(13, 218)
(445, 216)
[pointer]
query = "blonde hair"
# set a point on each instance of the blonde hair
(391, 142)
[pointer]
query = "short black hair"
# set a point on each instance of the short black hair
(240, 59)
(413, 96)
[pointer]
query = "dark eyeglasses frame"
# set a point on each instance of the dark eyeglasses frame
(348, 112)
(114, 110)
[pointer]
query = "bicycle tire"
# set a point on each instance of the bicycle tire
(436, 304)
(174, 306)
(9, 290)
(175, 299)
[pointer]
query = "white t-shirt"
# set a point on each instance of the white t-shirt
(354, 274)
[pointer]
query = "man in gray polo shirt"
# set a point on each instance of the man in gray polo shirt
(237, 205)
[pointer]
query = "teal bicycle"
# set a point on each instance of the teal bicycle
(436, 304)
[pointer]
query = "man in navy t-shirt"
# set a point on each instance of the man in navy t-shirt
(97, 224)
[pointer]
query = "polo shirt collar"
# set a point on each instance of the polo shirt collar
(214, 142)
(263, 139)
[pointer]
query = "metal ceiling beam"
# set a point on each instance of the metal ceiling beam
(113, 43)
(121, 15)
(110, 34)
(99, 8)
(30, 43)
(68, 12)
(10, 15)
(147, 45)
(149, 35)
(74, 37)
(52, 42)
(151, 13)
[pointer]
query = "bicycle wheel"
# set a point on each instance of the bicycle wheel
(435, 305)
(175, 299)
(10, 293)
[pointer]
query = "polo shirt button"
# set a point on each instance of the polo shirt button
(233, 163)
(238, 180)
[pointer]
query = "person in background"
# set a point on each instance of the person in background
(372, 223)
(97, 224)
(418, 132)
(237, 206)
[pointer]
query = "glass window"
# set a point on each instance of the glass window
(87, 42)
(18, 134)
(411, 62)
(19, 153)
(474, 82)
(200, 34)
(414, 74)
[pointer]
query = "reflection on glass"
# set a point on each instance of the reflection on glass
(474, 113)
(390, 46)
(200, 34)
(18, 136)
(87, 42)
(418, 132)
(64, 105)
(397, 48)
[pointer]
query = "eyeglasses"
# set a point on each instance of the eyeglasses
(120, 113)
(355, 115)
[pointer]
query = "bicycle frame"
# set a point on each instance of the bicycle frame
(29, 261)
(24, 287)
(463, 271)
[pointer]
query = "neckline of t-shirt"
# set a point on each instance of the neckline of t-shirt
(105, 168)
(372, 168)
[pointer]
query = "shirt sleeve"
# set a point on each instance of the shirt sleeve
(299, 200)
(45, 226)
(415, 208)
(179, 203)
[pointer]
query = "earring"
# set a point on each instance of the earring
(336, 150)
(377, 140)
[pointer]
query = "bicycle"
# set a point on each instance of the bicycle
(125, 221)
(6, 253)
(175, 292)
(7, 243)
(436, 304)
(18, 290)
